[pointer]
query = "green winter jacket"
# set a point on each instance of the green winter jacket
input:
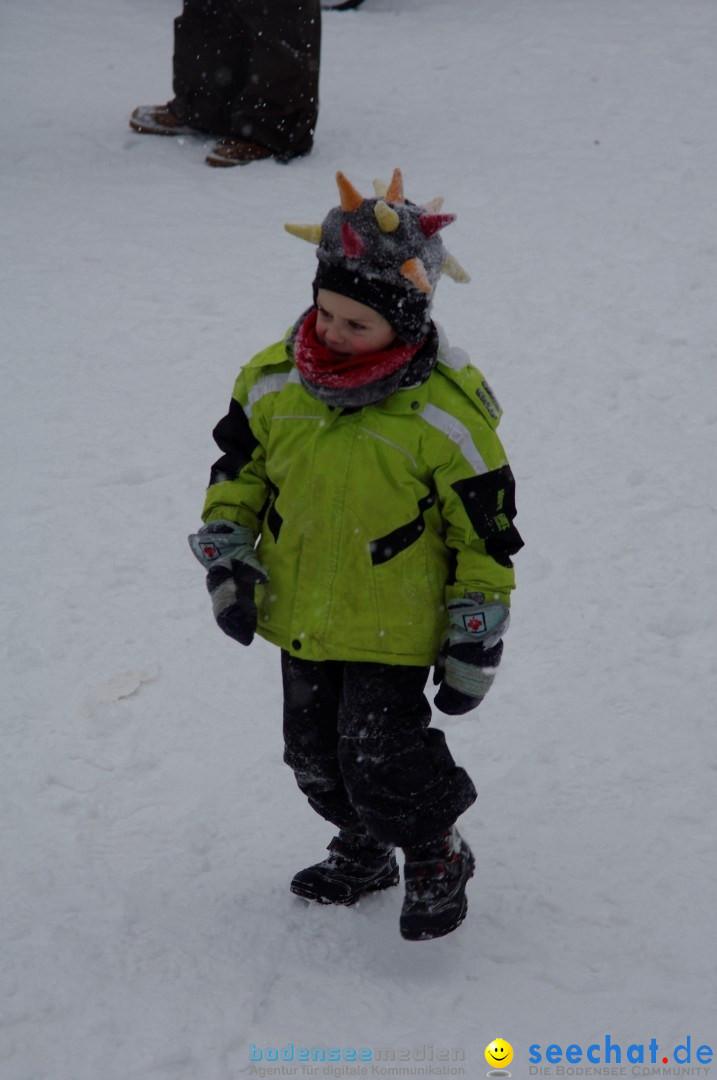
(370, 520)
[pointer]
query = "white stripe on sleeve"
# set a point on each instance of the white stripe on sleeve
(268, 384)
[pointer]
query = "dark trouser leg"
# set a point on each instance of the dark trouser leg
(312, 695)
(212, 48)
(358, 740)
(399, 774)
(279, 102)
(250, 68)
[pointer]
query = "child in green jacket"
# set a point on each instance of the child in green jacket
(361, 518)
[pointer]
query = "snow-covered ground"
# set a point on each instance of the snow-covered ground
(148, 827)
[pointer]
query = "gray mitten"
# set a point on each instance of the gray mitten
(471, 652)
(226, 551)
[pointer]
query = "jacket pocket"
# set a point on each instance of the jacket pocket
(392, 544)
(409, 570)
(273, 518)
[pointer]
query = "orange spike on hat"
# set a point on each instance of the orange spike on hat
(415, 272)
(351, 199)
(394, 192)
(434, 206)
(453, 269)
(388, 220)
(312, 233)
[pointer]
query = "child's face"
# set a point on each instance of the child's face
(349, 328)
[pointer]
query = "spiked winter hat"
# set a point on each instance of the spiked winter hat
(385, 252)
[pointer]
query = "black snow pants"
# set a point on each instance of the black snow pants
(250, 69)
(357, 736)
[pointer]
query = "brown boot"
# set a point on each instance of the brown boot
(231, 151)
(158, 120)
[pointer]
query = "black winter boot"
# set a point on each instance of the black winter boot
(356, 865)
(436, 874)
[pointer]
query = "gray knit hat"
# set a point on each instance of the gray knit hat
(385, 252)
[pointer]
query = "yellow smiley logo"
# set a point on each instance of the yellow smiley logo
(499, 1053)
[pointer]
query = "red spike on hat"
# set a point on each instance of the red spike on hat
(353, 245)
(432, 223)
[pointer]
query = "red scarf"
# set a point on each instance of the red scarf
(319, 365)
